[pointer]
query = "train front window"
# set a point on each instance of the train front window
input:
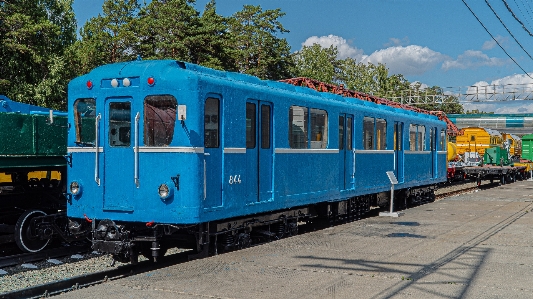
(119, 124)
(159, 120)
(84, 121)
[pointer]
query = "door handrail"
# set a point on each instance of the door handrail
(96, 158)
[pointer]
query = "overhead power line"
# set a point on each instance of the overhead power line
(526, 9)
(515, 17)
(471, 11)
(499, 19)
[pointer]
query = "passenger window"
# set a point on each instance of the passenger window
(298, 118)
(368, 133)
(381, 134)
(412, 137)
(250, 125)
(265, 126)
(421, 136)
(349, 124)
(319, 121)
(212, 123)
(159, 120)
(119, 124)
(84, 121)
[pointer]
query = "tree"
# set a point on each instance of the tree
(108, 38)
(256, 49)
(317, 63)
(167, 29)
(34, 37)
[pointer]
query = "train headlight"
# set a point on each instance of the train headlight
(165, 192)
(75, 188)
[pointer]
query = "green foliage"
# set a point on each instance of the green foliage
(317, 63)
(255, 48)
(107, 38)
(34, 37)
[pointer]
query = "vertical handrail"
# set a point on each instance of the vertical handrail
(136, 150)
(96, 158)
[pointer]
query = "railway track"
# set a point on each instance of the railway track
(114, 273)
(13, 260)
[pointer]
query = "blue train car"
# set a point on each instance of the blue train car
(170, 152)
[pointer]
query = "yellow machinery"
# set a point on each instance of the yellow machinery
(477, 139)
(451, 152)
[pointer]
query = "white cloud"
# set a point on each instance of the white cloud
(393, 42)
(343, 47)
(490, 44)
(472, 59)
(410, 60)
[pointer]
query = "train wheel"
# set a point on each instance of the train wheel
(24, 237)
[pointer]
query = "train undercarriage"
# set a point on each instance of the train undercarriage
(33, 208)
(126, 241)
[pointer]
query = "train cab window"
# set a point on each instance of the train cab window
(368, 133)
(319, 121)
(381, 134)
(119, 124)
(473, 138)
(159, 120)
(84, 121)
(298, 119)
(211, 123)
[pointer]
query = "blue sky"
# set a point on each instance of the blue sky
(435, 42)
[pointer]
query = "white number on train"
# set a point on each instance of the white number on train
(235, 179)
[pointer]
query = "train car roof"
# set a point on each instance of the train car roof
(164, 69)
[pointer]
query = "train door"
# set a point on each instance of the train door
(118, 155)
(212, 154)
(259, 154)
(398, 151)
(346, 153)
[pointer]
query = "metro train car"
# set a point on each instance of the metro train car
(167, 153)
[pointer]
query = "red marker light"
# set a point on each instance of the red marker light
(150, 224)
(151, 81)
(89, 84)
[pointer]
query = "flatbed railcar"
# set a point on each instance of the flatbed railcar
(168, 153)
(32, 171)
